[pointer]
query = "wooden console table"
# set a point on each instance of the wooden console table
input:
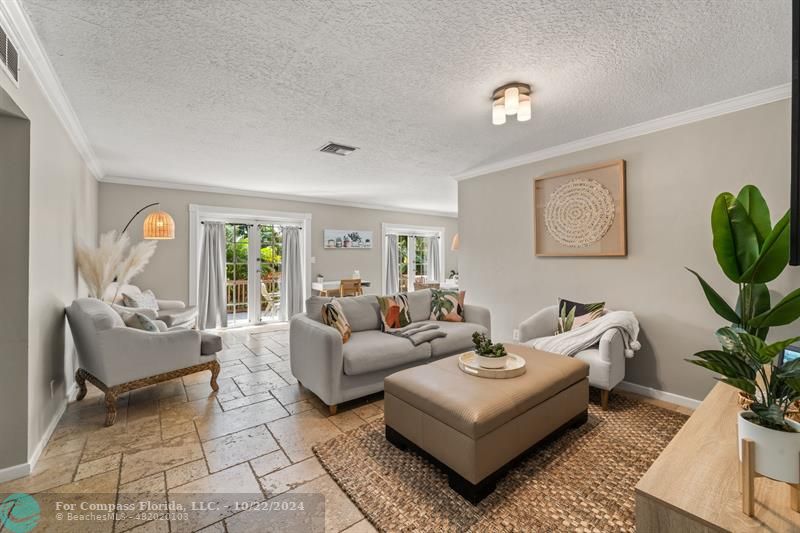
(693, 486)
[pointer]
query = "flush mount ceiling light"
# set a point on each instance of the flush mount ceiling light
(511, 99)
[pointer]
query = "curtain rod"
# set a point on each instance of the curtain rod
(250, 225)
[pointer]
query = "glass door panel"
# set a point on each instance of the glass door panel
(269, 270)
(236, 269)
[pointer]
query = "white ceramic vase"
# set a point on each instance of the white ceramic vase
(491, 362)
(777, 453)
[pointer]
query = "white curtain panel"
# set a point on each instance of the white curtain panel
(211, 288)
(291, 274)
(392, 272)
(433, 259)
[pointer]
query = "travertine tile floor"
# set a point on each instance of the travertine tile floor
(253, 436)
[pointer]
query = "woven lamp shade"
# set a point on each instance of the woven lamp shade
(159, 226)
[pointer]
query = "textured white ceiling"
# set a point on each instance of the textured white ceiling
(241, 93)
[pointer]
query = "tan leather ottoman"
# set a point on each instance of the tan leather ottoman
(476, 427)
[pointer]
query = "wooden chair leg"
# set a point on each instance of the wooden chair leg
(215, 368)
(748, 476)
(332, 409)
(604, 399)
(80, 379)
(111, 407)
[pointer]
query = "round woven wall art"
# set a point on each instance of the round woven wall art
(579, 213)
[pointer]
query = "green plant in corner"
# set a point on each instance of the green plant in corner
(751, 253)
(485, 348)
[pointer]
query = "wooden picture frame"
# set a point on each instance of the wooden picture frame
(580, 212)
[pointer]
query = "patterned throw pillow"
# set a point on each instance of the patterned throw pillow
(333, 316)
(447, 306)
(145, 299)
(573, 315)
(395, 312)
(140, 321)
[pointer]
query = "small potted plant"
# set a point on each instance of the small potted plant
(487, 354)
(748, 363)
(320, 278)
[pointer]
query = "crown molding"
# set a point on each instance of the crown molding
(196, 187)
(19, 26)
(738, 103)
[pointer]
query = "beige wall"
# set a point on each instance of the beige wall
(673, 177)
(14, 206)
(62, 208)
(168, 271)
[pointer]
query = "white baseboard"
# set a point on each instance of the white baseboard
(24, 469)
(656, 394)
(14, 472)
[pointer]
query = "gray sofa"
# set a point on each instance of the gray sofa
(337, 372)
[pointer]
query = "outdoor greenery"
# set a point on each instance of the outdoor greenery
(485, 348)
(751, 253)
(236, 243)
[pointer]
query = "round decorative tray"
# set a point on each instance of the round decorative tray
(515, 366)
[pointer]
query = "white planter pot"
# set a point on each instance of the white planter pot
(777, 453)
(491, 362)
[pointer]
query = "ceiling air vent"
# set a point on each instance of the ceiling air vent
(337, 149)
(8, 56)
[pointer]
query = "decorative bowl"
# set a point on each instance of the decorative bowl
(491, 362)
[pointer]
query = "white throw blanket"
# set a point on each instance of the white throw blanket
(588, 335)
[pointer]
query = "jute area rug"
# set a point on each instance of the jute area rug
(582, 481)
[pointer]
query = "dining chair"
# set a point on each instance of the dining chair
(350, 287)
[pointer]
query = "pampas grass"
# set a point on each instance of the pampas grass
(101, 266)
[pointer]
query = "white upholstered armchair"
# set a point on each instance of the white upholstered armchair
(117, 359)
(606, 360)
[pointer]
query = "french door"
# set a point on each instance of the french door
(253, 272)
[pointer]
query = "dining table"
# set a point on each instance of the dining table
(325, 288)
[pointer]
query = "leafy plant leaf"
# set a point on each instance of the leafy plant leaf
(753, 346)
(739, 367)
(744, 236)
(755, 205)
(775, 348)
(717, 302)
(741, 384)
(771, 413)
(785, 312)
(724, 244)
(773, 256)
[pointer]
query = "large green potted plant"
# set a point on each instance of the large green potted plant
(752, 253)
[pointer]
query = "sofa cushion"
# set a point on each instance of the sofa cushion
(419, 303)
(314, 307)
(140, 321)
(333, 316)
(458, 340)
(370, 351)
(146, 299)
(174, 317)
(394, 312)
(210, 343)
(361, 311)
(447, 306)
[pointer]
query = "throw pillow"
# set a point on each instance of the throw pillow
(333, 316)
(140, 321)
(145, 299)
(447, 305)
(573, 315)
(395, 312)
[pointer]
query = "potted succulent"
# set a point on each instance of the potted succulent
(487, 354)
(751, 253)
